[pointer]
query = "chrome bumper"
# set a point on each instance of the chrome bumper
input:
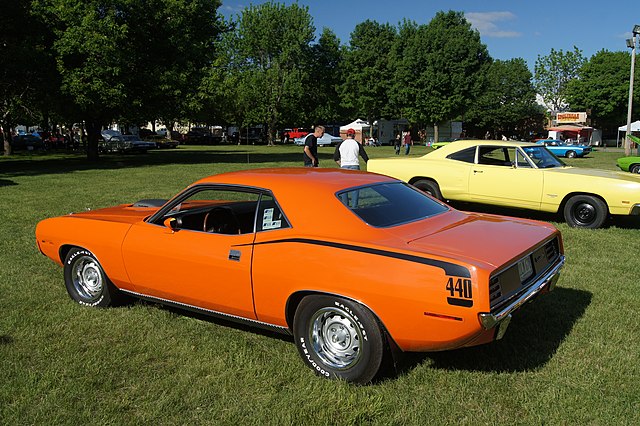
(548, 280)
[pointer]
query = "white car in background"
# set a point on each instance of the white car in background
(326, 140)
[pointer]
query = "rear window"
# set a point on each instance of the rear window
(467, 155)
(390, 204)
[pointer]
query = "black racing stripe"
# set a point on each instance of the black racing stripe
(467, 303)
(449, 268)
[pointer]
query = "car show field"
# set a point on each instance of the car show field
(61, 362)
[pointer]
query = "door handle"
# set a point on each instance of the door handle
(234, 255)
(477, 171)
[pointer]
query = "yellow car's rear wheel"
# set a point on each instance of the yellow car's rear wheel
(430, 187)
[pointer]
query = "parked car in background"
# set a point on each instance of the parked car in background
(326, 140)
(27, 141)
(163, 142)
(146, 133)
(563, 149)
(436, 145)
(160, 141)
(629, 164)
(519, 175)
(392, 267)
(296, 132)
(133, 143)
(114, 141)
(198, 136)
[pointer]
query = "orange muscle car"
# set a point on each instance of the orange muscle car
(384, 266)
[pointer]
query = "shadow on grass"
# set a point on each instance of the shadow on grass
(219, 321)
(53, 163)
(7, 182)
(5, 339)
(533, 337)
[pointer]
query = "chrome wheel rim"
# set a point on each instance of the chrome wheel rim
(336, 338)
(87, 277)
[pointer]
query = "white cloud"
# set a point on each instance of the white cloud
(486, 23)
(227, 10)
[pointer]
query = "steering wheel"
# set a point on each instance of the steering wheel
(221, 220)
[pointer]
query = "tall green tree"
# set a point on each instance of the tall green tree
(117, 58)
(323, 103)
(553, 73)
(403, 69)
(447, 59)
(272, 57)
(26, 79)
(368, 73)
(603, 87)
(507, 102)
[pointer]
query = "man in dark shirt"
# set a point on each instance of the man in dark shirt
(310, 153)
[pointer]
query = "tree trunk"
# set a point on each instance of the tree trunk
(93, 134)
(435, 133)
(6, 137)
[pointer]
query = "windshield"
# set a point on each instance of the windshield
(390, 204)
(542, 157)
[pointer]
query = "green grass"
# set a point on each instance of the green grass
(570, 358)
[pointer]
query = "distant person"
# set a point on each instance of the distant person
(407, 142)
(347, 152)
(310, 153)
(487, 135)
(396, 144)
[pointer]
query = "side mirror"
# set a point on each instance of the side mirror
(172, 224)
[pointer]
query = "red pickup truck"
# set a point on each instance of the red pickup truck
(296, 132)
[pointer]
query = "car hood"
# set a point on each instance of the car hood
(608, 174)
(124, 213)
(482, 238)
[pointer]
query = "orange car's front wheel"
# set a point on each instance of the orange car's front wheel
(338, 338)
(86, 281)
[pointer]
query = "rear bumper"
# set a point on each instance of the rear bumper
(545, 283)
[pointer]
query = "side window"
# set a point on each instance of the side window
(217, 211)
(497, 156)
(269, 215)
(522, 160)
(466, 155)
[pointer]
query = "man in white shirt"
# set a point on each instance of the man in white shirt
(347, 152)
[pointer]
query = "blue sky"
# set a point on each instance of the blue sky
(509, 28)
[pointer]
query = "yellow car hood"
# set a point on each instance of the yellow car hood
(608, 174)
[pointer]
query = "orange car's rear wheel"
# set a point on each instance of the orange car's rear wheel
(338, 338)
(86, 281)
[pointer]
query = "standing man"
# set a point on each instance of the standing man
(407, 142)
(347, 151)
(310, 153)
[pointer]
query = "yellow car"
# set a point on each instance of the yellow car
(518, 175)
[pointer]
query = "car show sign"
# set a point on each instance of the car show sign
(571, 117)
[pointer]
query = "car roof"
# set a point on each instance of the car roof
(297, 179)
(459, 145)
(308, 195)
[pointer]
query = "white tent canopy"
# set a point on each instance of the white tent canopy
(635, 127)
(359, 124)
